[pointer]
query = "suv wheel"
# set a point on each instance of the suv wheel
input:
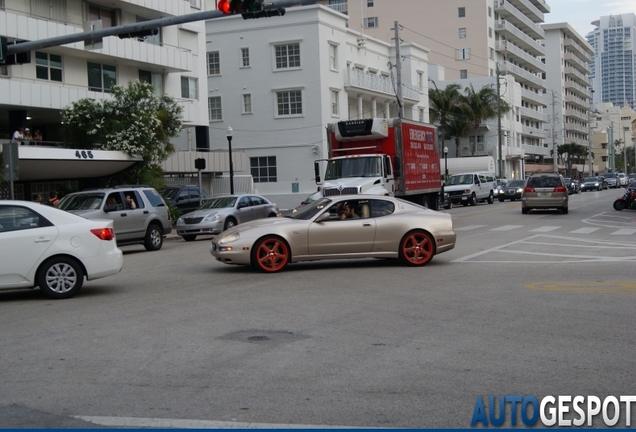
(154, 238)
(564, 210)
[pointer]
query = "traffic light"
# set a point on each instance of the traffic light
(18, 58)
(140, 34)
(248, 9)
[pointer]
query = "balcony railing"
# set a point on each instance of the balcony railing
(511, 50)
(379, 83)
(508, 11)
(520, 37)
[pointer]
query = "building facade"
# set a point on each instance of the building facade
(470, 40)
(277, 82)
(35, 92)
(614, 130)
(568, 85)
(613, 67)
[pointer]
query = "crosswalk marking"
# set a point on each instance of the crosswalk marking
(470, 227)
(545, 229)
(506, 228)
(624, 231)
(587, 230)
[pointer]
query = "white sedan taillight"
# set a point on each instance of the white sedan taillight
(104, 233)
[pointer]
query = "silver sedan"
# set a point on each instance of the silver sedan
(378, 227)
(221, 213)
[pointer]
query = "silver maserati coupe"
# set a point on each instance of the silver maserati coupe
(346, 226)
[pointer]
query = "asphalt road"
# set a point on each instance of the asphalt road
(539, 304)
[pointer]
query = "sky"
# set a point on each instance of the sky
(580, 13)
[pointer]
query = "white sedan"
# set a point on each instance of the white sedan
(53, 249)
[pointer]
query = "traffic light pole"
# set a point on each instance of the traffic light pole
(137, 27)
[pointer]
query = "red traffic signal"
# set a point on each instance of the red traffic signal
(230, 7)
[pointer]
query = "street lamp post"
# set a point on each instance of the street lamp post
(229, 144)
(445, 164)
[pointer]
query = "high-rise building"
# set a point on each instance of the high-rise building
(567, 57)
(613, 66)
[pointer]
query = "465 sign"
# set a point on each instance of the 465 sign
(84, 154)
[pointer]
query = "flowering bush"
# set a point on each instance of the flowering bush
(135, 121)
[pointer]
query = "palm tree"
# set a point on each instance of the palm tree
(458, 128)
(442, 105)
(574, 151)
(483, 105)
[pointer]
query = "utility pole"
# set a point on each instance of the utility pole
(398, 69)
(554, 145)
(610, 135)
(589, 138)
(502, 172)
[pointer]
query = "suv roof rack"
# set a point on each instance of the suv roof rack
(127, 186)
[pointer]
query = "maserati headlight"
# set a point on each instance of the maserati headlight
(212, 217)
(229, 238)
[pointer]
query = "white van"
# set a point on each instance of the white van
(468, 188)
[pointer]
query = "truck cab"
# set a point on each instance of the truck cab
(359, 174)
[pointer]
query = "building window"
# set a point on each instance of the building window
(462, 33)
(245, 57)
(420, 82)
(421, 115)
(101, 78)
(214, 63)
(189, 88)
(247, 103)
(99, 13)
(461, 12)
(287, 56)
(214, 108)
(333, 57)
(263, 169)
(491, 53)
(371, 22)
(490, 32)
(463, 74)
(463, 54)
(369, 3)
(48, 66)
(489, 11)
(335, 110)
(289, 103)
(53, 9)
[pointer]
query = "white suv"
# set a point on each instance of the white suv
(468, 188)
(139, 213)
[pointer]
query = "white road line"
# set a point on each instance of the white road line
(624, 231)
(584, 230)
(469, 227)
(545, 229)
(506, 228)
(141, 422)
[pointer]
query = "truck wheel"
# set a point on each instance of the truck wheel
(491, 198)
(503, 199)
(473, 200)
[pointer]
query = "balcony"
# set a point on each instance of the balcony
(576, 60)
(578, 90)
(510, 50)
(172, 59)
(510, 32)
(519, 19)
(534, 97)
(528, 8)
(155, 8)
(340, 7)
(533, 114)
(577, 76)
(524, 76)
(534, 132)
(573, 113)
(576, 128)
(572, 45)
(374, 83)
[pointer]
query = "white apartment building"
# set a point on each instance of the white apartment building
(567, 57)
(173, 61)
(470, 39)
(279, 81)
(613, 66)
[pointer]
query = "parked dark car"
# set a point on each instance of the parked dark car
(185, 198)
(591, 183)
